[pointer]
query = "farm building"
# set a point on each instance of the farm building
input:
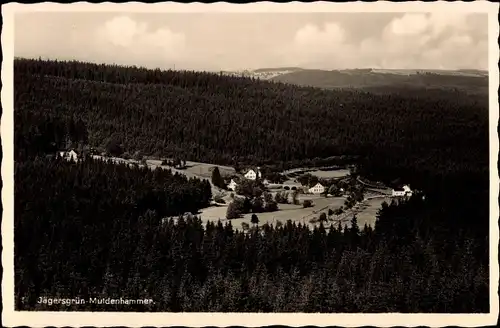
(317, 189)
(69, 155)
(402, 191)
(398, 192)
(232, 185)
(253, 175)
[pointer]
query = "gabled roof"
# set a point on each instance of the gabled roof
(317, 185)
(68, 151)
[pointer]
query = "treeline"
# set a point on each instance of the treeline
(398, 267)
(225, 120)
(40, 132)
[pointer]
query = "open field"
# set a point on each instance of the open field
(330, 174)
(369, 210)
(286, 212)
(319, 172)
(366, 213)
(205, 170)
(198, 169)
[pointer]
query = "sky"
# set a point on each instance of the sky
(236, 41)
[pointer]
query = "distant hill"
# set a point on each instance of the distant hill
(263, 73)
(382, 80)
(278, 69)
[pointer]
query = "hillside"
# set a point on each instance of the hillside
(278, 69)
(263, 73)
(220, 119)
(387, 81)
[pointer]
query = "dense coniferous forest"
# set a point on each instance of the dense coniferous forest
(219, 119)
(97, 229)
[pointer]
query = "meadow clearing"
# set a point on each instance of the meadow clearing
(330, 173)
(205, 170)
(365, 212)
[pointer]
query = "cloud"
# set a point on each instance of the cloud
(413, 40)
(134, 41)
(311, 35)
(392, 40)
(315, 44)
(437, 40)
(408, 25)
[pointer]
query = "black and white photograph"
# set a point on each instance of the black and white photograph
(222, 164)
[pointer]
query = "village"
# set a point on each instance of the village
(249, 198)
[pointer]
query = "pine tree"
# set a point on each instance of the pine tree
(217, 179)
(354, 233)
(254, 219)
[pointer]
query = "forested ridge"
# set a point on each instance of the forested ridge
(219, 119)
(475, 82)
(97, 229)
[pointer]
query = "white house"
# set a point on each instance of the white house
(401, 191)
(252, 175)
(232, 185)
(317, 189)
(398, 192)
(69, 155)
(407, 190)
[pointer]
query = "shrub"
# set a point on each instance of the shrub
(255, 219)
(219, 199)
(307, 203)
(233, 212)
(322, 217)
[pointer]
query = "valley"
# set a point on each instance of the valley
(320, 218)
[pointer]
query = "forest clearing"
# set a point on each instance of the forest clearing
(365, 213)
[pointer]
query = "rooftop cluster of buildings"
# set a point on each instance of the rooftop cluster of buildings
(253, 175)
